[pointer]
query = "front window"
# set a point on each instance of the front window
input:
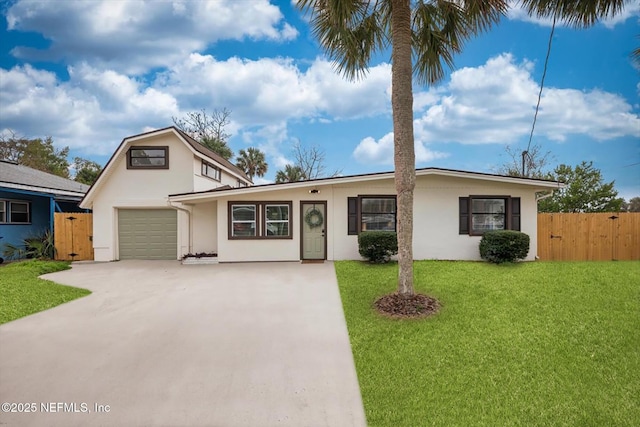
(479, 214)
(378, 213)
(148, 158)
(488, 214)
(277, 220)
(260, 220)
(15, 212)
(243, 220)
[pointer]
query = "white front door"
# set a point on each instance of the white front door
(314, 226)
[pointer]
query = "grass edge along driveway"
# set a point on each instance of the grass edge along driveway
(23, 293)
(528, 344)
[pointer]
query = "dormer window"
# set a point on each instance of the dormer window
(210, 171)
(148, 158)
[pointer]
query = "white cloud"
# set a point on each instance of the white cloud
(370, 151)
(495, 103)
(492, 103)
(91, 111)
(518, 13)
(274, 89)
(135, 36)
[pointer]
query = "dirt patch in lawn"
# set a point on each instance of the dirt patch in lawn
(402, 307)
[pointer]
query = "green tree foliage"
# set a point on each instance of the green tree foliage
(585, 191)
(252, 162)
(218, 146)
(291, 173)
(35, 153)
(87, 171)
(208, 129)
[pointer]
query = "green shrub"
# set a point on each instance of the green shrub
(39, 247)
(378, 246)
(504, 246)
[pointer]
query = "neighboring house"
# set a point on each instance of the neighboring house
(29, 198)
(162, 195)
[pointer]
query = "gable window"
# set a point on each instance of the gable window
(479, 214)
(259, 220)
(15, 212)
(210, 171)
(367, 213)
(241, 184)
(148, 158)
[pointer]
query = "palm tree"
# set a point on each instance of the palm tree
(218, 146)
(290, 173)
(423, 36)
(252, 162)
(351, 31)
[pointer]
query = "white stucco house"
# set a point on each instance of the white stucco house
(163, 195)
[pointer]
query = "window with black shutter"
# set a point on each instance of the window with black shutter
(478, 214)
(352, 215)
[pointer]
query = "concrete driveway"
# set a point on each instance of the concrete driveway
(161, 344)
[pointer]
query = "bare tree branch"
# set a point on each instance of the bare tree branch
(311, 160)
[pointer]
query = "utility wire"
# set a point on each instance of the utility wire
(544, 74)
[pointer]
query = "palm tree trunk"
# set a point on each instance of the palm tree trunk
(404, 151)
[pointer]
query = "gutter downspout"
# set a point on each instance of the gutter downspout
(544, 196)
(189, 212)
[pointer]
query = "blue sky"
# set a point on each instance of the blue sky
(89, 73)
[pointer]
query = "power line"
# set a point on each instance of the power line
(544, 74)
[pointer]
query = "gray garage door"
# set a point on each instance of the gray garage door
(147, 233)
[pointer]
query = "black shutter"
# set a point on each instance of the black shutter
(515, 213)
(352, 215)
(464, 215)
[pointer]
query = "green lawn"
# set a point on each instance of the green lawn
(530, 344)
(22, 293)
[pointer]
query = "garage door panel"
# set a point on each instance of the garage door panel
(147, 233)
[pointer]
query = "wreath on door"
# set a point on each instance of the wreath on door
(313, 218)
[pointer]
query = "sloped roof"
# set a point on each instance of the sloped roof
(197, 148)
(539, 184)
(210, 153)
(18, 176)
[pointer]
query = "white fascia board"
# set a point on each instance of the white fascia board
(36, 189)
(542, 184)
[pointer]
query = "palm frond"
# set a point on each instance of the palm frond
(441, 28)
(350, 31)
(575, 13)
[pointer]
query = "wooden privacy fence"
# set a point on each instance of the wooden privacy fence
(589, 236)
(73, 236)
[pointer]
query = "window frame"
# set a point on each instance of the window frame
(260, 220)
(512, 213)
(204, 170)
(357, 215)
(7, 217)
(164, 148)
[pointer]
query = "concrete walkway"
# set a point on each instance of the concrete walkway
(161, 344)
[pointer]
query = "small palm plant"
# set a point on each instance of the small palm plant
(36, 247)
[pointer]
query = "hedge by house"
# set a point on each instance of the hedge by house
(500, 246)
(378, 246)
